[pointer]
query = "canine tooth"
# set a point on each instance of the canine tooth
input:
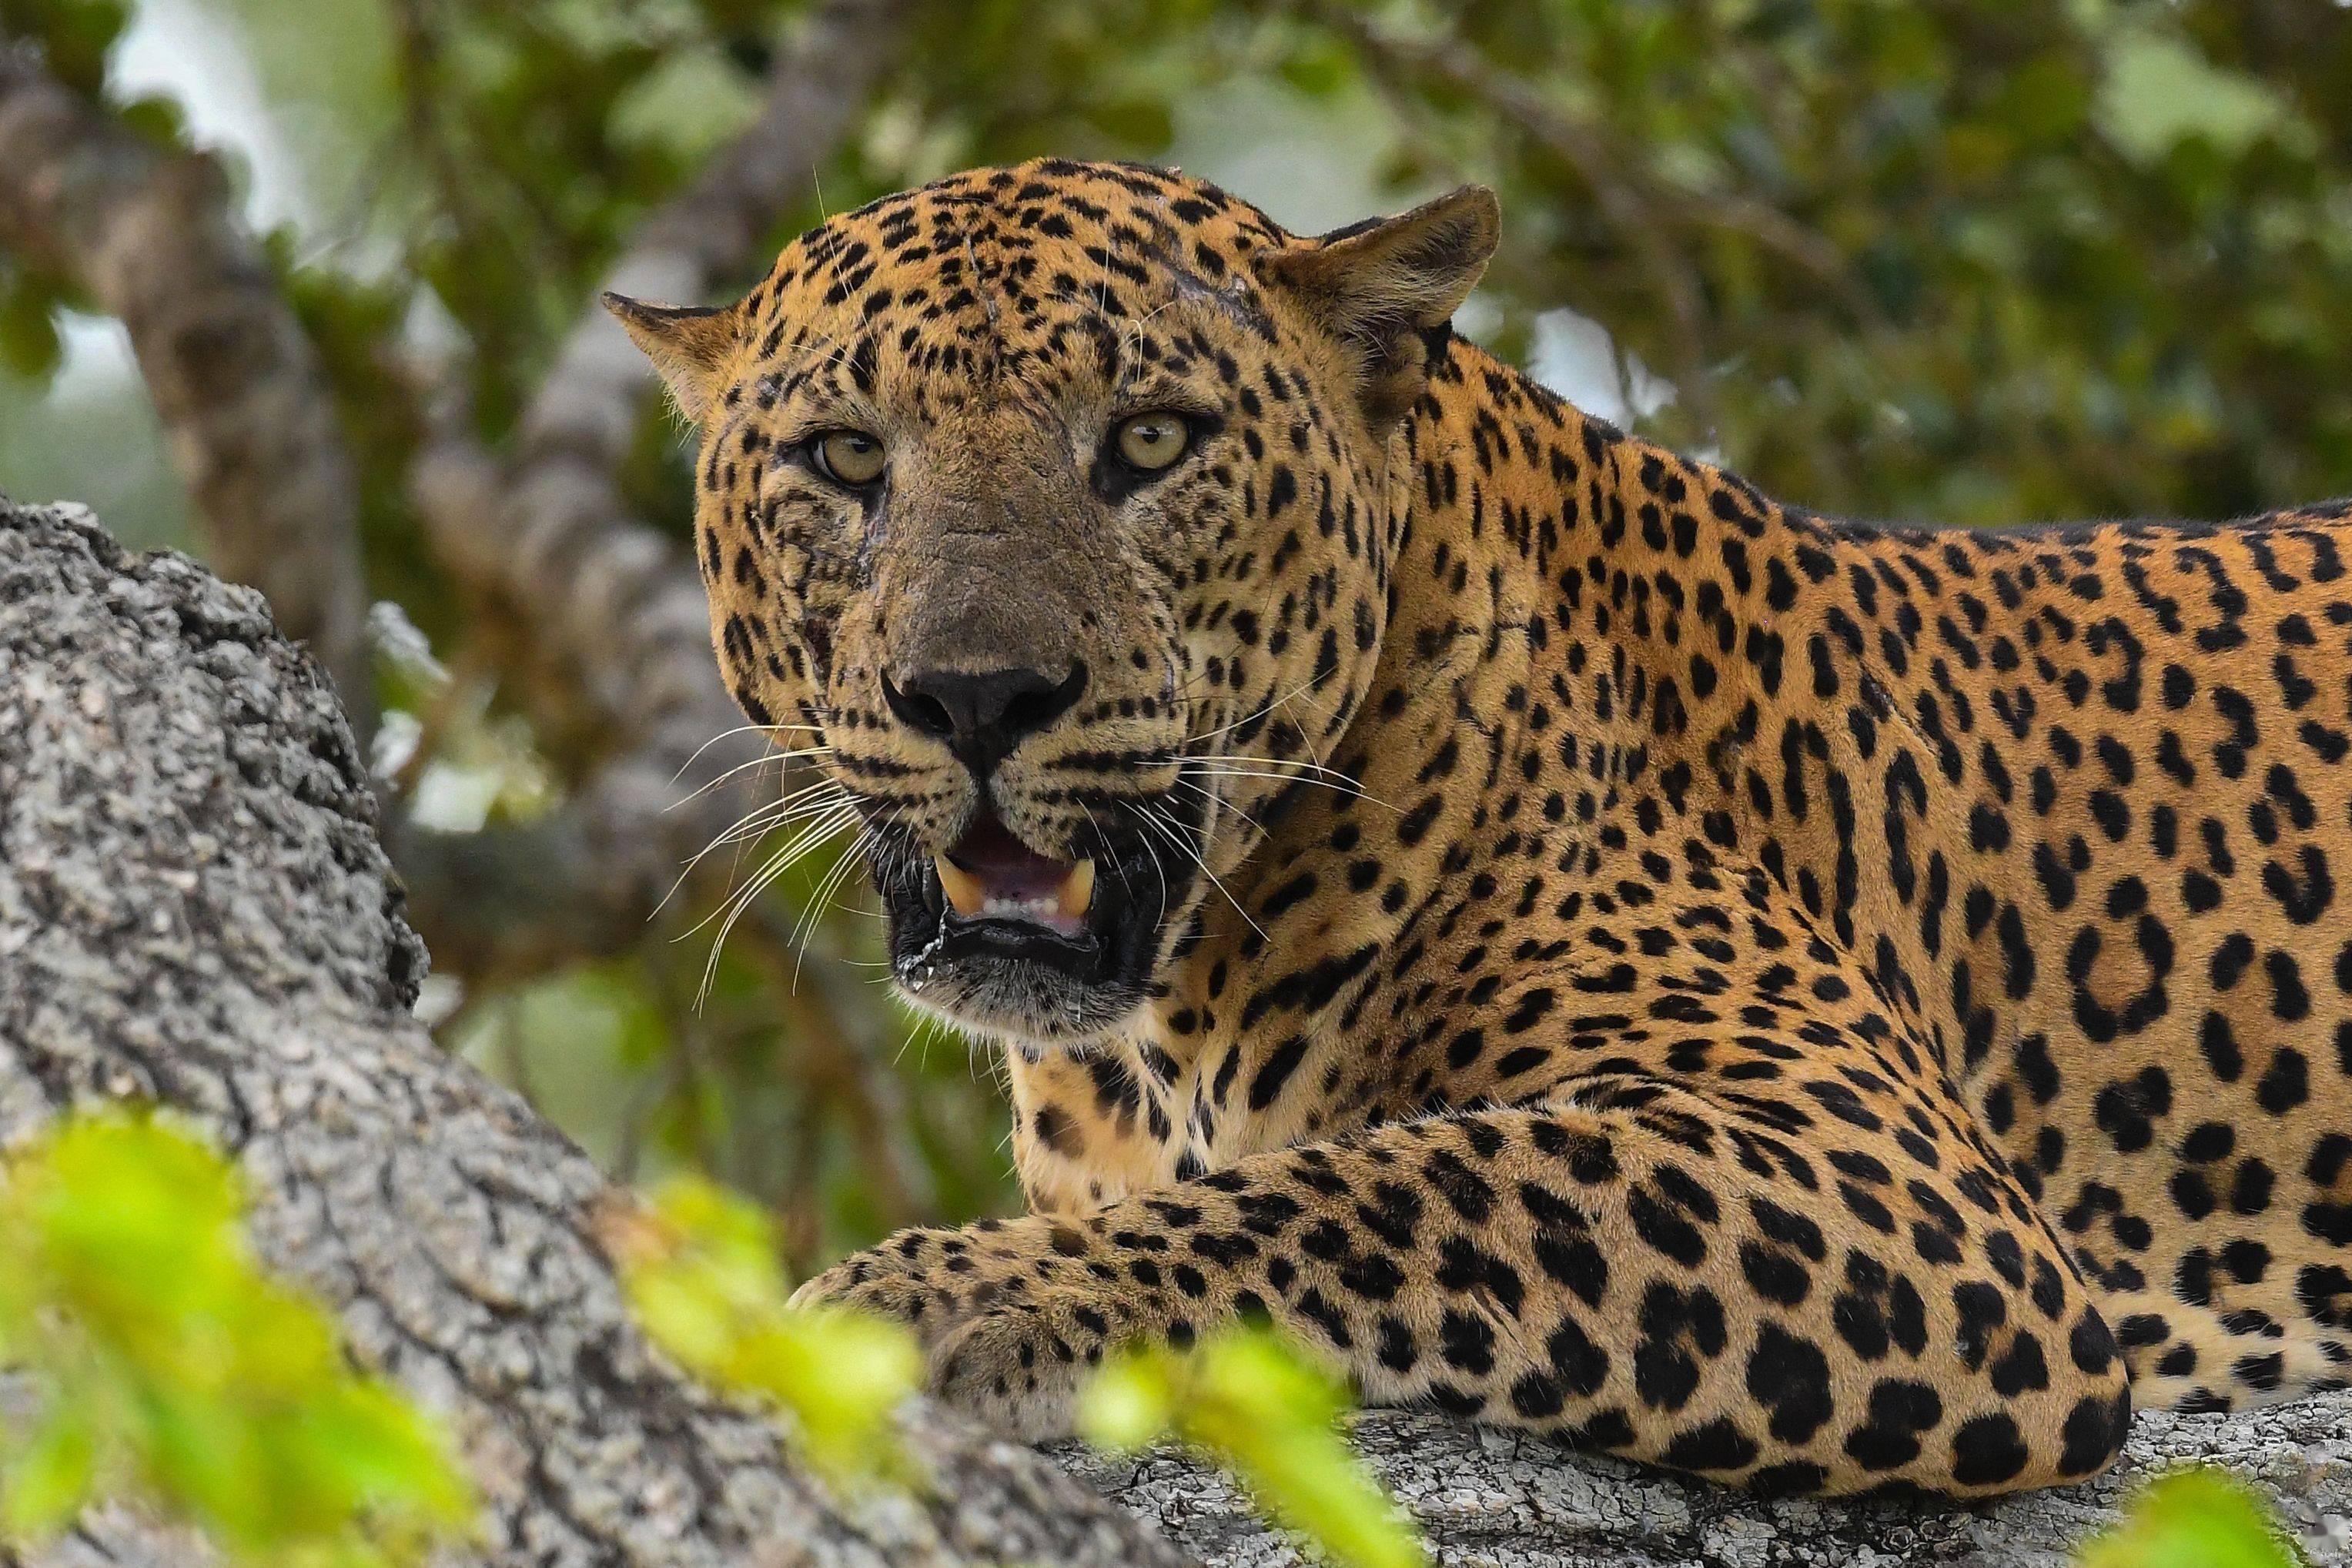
(965, 895)
(1076, 893)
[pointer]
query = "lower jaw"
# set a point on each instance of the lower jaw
(1032, 1012)
(1068, 989)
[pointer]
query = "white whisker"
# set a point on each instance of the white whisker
(761, 761)
(1351, 791)
(775, 866)
(1145, 813)
(760, 821)
(739, 729)
(1298, 690)
(1251, 761)
(1220, 801)
(805, 929)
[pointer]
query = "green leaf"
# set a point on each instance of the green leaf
(1319, 67)
(29, 346)
(699, 1269)
(1127, 1404)
(47, 1480)
(1263, 1408)
(1141, 124)
(179, 1376)
(686, 106)
(2192, 1519)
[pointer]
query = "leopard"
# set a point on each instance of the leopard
(1819, 1006)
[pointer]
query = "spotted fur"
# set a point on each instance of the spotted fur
(1818, 1006)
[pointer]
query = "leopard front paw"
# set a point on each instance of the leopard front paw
(1011, 1317)
(898, 1279)
(1018, 1366)
(931, 1279)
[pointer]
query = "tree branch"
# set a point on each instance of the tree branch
(548, 538)
(1487, 1497)
(589, 403)
(620, 609)
(244, 401)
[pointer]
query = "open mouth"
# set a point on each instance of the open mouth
(996, 934)
(991, 877)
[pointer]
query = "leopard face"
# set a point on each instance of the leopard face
(1047, 504)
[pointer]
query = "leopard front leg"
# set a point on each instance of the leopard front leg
(1823, 1308)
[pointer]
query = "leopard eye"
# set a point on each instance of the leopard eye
(848, 457)
(1151, 441)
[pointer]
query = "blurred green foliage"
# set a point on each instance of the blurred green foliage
(169, 1369)
(699, 1267)
(2192, 1519)
(1260, 1404)
(151, 1360)
(1974, 260)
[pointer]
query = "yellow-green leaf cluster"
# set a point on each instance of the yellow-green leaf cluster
(169, 1369)
(699, 1267)
(1255, 1403)
(2192, 1519)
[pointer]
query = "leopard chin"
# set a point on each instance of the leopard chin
(1043, 953)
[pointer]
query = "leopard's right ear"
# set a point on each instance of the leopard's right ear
(1384, 286)
(689, 345)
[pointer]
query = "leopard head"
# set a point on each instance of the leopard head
(1052, 506)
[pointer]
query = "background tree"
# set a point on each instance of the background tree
(1951, 261)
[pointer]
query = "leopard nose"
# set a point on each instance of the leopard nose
(982, 716)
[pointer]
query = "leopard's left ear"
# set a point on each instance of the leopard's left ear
(689, 345)
(1383, 287)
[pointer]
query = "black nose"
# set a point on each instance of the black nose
(982, 718)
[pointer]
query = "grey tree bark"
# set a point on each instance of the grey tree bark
(195, 911)
(1498, 1501)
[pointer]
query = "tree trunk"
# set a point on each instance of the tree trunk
(195, 911)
